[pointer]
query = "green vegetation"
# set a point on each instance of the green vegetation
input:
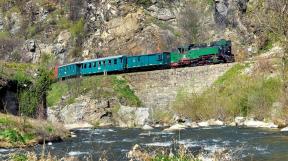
(174, 158)
(233, 94)
(162, 115)
(19, 157)
(144, 2)
(77, 28)
(16, 131)
(268, 44)
(4, 34)
(98, 87)
(31, 98)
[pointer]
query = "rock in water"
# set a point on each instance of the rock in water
(147, 127)
(285, 129)
(203, 124)
(240, 121)
(78, 126)
(176, 127)
(260, 124)
(213, 122)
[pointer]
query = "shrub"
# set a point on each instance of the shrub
(77, 28)
(144, 2)
(233, 94)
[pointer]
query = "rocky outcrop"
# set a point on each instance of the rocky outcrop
(164, 14)
(1, 22)
(14, 21)
(89, 111)
(118, 27)
(83, 110)
(132, 116)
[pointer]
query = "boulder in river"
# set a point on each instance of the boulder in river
(176, 127)
(147, 127)
(285, 129)
(203, 124)
(260, 124)
(240, 121)
(213, 122)
(78, 126)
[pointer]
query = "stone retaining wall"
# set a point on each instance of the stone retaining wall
(159, 88)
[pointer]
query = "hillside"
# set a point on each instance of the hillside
(76, 30)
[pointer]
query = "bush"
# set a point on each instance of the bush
(144, 2)
(77, 29)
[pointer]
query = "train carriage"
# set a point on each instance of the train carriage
(103, 65)
(69, 70)
(147, 61)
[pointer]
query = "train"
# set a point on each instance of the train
(188, 55)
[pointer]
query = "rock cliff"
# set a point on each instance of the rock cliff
(76, 30)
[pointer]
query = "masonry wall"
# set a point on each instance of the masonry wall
(158, 89)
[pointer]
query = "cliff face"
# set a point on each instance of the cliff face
(82, 29)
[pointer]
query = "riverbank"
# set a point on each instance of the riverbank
(25, 132)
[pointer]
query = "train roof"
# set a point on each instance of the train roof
(69, 64)
(99, 59)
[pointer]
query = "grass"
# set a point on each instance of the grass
(233, 94)
(231, 74)
(57, 91)
(9, 69)
(98, 87)
(21, 132)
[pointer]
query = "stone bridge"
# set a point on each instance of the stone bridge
(159, 88)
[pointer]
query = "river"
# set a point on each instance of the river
(114, 143)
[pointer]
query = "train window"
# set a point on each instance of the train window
(89, 65)
(138, 58)
(94, 64)
(121, 60)
(99, 63)
(115, 61)
(109, 62)
(160, 57)
(84, 66)
(104, 62)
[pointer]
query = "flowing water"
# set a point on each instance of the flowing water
(114, 143)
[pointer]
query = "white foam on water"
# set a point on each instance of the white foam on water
(111, 130)
(156, 133)
(261, 149)
(128, 140)
(6, 150)
(105, 141)
(215, 140)
(226, 142)
(160, 144)
(84, 129)
(75, 153)
(124, 150)
(188, 143)
(212, 148)
(212, 127)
